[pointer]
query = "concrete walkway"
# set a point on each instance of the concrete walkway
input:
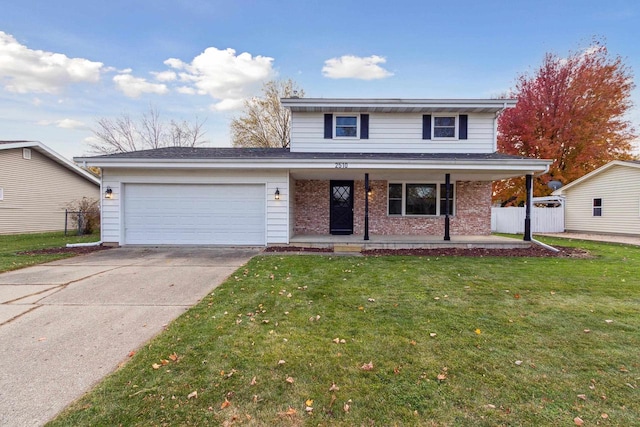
(627, 240)
(66, 324)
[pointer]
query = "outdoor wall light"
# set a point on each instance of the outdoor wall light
(108, 194)
(277, 194)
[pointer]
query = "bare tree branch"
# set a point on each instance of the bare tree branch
(265, 123)
(123, 134)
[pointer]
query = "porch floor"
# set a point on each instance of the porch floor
(356, 243)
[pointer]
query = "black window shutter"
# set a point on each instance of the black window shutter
(463, 120)
(328, 126)
(364, 126)
(426, 126)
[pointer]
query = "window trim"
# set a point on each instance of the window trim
(439, 198)
(456, 130)
(596, 208)
(335, 125)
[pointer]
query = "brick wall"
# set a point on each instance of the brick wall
(472, 216)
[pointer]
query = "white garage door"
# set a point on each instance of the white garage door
(192, 214)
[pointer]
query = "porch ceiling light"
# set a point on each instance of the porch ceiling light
(108, 194)
(277, 194)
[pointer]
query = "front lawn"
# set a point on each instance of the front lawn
(11, 245)
(433, 341)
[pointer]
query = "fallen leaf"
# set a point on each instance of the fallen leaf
(586, 331)
(290, 380)
(309, 402)
(173, 357)
(155, 366)
(334, 387)
(132, 353)
(192, 395)
(164, 362)
(371, 300)
(582, 396)
(308, 409)
(367, 366)
(478, 331)
(578, 421)
(518, 362)
(516, 296)
(396, 370)
(281, 362)
(346, 407)
(441, 377)
(433, 334)
(336, 340)
(604, 416)
(253, 381)
(361, 308)
(225, 404)
(609, 321)
(290, 411)
(490, 406)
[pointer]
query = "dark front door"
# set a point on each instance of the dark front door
(341, 207)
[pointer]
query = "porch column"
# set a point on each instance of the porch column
(447, 197)
(527, 215)
(366, 206)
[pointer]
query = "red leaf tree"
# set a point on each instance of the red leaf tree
(570, 111)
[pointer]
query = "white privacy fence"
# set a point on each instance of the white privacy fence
(543, 220)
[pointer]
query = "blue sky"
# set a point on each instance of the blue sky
(64, 64)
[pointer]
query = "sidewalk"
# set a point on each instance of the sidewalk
(627, 240)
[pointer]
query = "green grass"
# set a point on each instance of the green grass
(487, 313)
(10, 245)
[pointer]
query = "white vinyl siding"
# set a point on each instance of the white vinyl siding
(391, 132)
(37, 191)
(619, 189)
(276, 219)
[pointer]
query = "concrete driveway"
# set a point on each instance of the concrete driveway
(66, 324)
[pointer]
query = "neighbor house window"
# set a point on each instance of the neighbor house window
(1, 193)
(444, 127)
(597, 207)
(419, 199)
(26, 153)
(346, 126)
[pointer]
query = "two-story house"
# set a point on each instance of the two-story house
(361, 167)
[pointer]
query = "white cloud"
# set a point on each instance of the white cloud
(24, 70)
(133, 87)
(223, 75)
(355, 67)
(64, 123)
(165, 76)
(228, 105)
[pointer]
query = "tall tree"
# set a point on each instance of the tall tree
(264, 122)
(572, 110)
(124, 134)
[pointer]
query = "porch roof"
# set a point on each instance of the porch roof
(310, 165)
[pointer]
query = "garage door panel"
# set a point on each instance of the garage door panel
(194, 214)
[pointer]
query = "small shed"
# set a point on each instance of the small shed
(605, 201)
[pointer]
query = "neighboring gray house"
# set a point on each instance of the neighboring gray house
(354, 167)
(606, 200)
(36, 184)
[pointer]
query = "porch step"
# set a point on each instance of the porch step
(347, 248)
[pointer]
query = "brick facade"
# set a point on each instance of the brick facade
(472, 211)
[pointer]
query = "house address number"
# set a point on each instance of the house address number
(342, 165)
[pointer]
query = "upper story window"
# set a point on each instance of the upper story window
(354, 126)
(1, 193)
(444, 127)
(346, 127)
(26, 153)
(597, 207)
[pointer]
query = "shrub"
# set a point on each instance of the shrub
(87, 215)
